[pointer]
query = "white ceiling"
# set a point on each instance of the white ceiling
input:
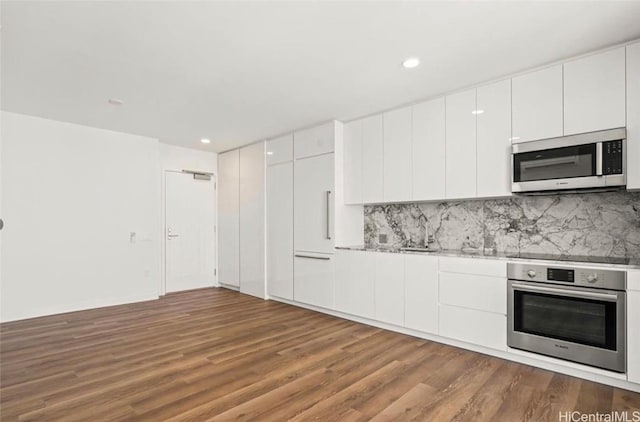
(237, 72)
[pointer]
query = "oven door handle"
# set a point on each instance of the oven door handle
(568, 293)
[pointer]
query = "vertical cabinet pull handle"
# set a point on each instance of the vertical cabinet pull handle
(328, 214)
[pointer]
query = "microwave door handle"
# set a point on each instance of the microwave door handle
(545, 162)
(599, 159)
(567, 293)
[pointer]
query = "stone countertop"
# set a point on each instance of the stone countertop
(609, 262)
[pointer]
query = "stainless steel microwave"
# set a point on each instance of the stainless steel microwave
(587, 161)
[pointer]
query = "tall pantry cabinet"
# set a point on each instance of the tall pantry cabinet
(241, 219)
(280, 217)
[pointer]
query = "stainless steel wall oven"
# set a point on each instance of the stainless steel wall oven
(576, 314)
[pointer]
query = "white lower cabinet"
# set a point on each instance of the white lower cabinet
(471, 326)
(421, 293)
(355, 276)
(479, 292)
(389, 287)
(473, 301)
(633, 326)
(313, 279)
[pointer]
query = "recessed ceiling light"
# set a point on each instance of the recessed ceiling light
(477, 112)
(205, 141)
(115, 101)
(411, 62)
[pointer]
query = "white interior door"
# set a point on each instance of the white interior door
(189, 232)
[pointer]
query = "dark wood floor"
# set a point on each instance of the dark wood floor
(219, 355)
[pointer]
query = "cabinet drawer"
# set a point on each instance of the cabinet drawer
(482, 328)
(314, 141)
(313, 279)
(478, 292)
(475, 266)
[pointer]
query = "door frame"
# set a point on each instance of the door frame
(162, 288)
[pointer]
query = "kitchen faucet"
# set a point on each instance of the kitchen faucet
(428, 237)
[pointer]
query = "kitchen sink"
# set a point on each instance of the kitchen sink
(418, 250)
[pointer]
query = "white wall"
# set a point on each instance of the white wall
(173, 158)
(71, 197)
(178, 158)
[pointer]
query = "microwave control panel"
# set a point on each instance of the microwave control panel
(612, 157)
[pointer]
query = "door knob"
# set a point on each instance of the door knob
(1, 224)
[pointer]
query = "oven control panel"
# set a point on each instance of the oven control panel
(586, 277)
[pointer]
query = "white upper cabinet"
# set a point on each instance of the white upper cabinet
(633, 116)
(353, 162)
(493, 143)
(397, 155)
(280, 150)
(314, 141)
(429, 145)
(372, 159)
(537, 105)
(229, 218)
(594, 92)
(461, 145)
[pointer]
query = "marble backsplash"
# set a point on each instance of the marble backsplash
(596, 224)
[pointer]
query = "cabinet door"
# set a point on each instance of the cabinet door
(633, 116)
(280, 150)
(313, 204)
(314, 141)
(372, 159)
(493, 139)
(352, 166)
(429, 145)
(355, 277)
(472, 326)
(229, 218)
(479, 292)
(313, 279)
(633, 326)
(594, 92)
(389, 288)
(252, 220)
(461, 145)
(397, 155)
(421, 293)
(537, 105)
(280, 230)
